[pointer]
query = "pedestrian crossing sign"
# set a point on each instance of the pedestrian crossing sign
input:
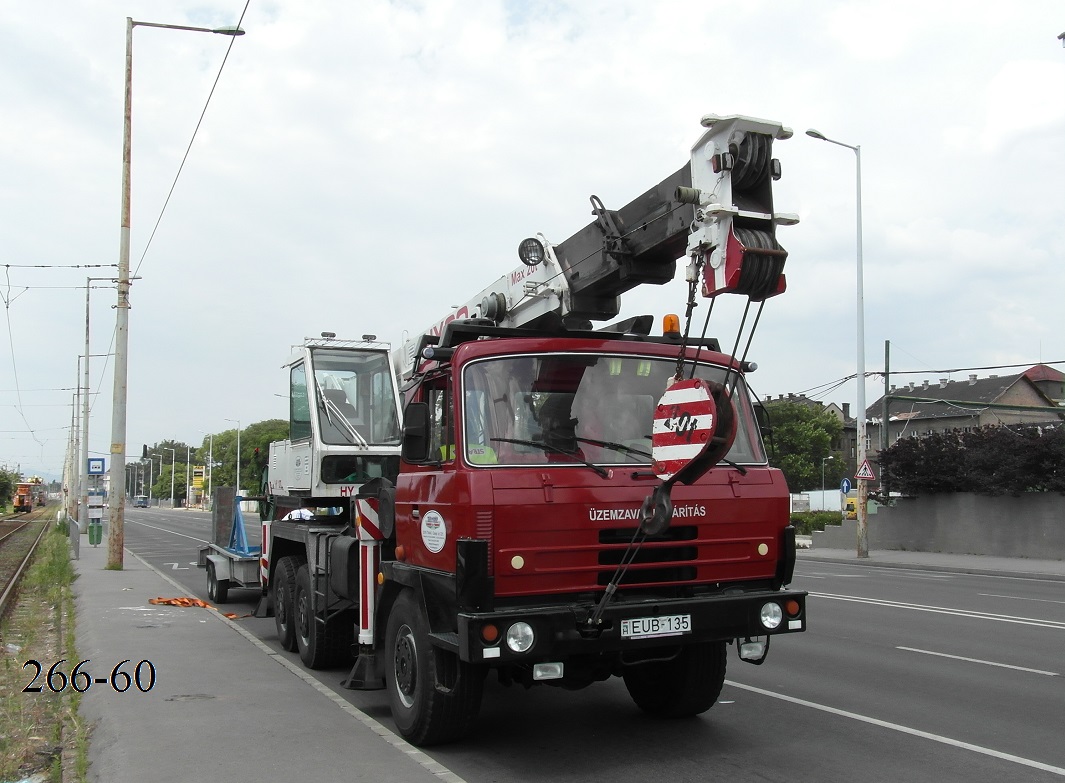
(865, 472)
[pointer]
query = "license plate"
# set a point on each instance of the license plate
(651, 627)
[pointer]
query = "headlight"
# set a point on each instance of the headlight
(771, 615)
(520, 637)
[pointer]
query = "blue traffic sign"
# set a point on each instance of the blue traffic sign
(845, 486)
(96, 466)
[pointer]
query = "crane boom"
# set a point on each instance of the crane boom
(717, 209)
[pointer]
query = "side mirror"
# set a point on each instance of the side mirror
(765, 426)
(415, 446)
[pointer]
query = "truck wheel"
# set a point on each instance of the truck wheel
(687, 685)
(284, 587)
(217, 589)
(434, 696)
(320, 644)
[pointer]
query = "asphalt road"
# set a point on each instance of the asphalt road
(903, 675)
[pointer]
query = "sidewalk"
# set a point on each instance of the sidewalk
(224, 705)
(1018, 567)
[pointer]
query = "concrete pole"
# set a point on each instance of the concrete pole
(83, 487)
(863, 484)
(117, 502)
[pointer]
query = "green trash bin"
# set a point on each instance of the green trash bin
(96, 531)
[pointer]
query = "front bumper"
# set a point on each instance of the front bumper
(565, 631)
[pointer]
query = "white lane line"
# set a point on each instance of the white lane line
(977, 660)
(904, 729)
(171, 532)
(829, 574)
(955, 573)
(1019, 598)
(1002, 618)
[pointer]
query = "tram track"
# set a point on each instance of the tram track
(19, 538)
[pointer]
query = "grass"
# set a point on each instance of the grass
(41, 731)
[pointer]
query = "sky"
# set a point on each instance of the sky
(362, 167)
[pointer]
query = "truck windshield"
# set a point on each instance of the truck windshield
(356, 398)
(570, 408)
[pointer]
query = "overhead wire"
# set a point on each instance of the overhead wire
(8, 298)
(188, 149)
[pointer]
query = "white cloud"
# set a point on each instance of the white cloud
(363, 166)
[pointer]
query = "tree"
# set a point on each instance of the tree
(802, 438)
(255, 439)
(255, 443)
(8, 480)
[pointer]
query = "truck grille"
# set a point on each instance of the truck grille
(665, 559)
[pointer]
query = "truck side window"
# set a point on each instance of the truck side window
(441, 427)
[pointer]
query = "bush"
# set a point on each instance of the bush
(990, 461)
(806, 522)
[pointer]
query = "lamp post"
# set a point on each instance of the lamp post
(210, 470)
(188, 475)
(151, 476)
(83, 487)
(236, 483)
(823, 461)
(173, 461)
(116, 504)
(862, 484)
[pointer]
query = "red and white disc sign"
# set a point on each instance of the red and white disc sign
(684, 423)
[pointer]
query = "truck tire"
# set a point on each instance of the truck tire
(320, 645)
(434, 696)
(684, 686)
(217, 589)
(284, 587)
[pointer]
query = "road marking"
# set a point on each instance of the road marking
(176, 567)
(1002, 618)
(954, 572)
(977, 660)
(1019, 598)
(828, 575)
(171, 532)
(904, 729)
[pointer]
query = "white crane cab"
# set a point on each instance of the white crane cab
(344, 423)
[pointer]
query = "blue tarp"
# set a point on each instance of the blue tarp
(238, 540)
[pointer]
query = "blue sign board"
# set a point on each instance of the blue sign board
(845, 486)
(96, 466)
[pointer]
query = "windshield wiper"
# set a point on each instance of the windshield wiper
(341, 422)
(609, 444)
(554, 450)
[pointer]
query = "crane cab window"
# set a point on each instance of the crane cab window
(299, 423)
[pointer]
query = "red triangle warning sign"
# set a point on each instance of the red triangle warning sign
(865, 472)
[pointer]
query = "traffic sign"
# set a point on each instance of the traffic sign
(865, 472)
(845, 486)
(96, 466)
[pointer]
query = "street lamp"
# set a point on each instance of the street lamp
(862, 484)
(151, 474)
(236, 487)
(173, 461)
(823, 461)
(83, 487)
(116, 534)
(188, 474)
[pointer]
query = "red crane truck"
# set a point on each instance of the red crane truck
(522, 495)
